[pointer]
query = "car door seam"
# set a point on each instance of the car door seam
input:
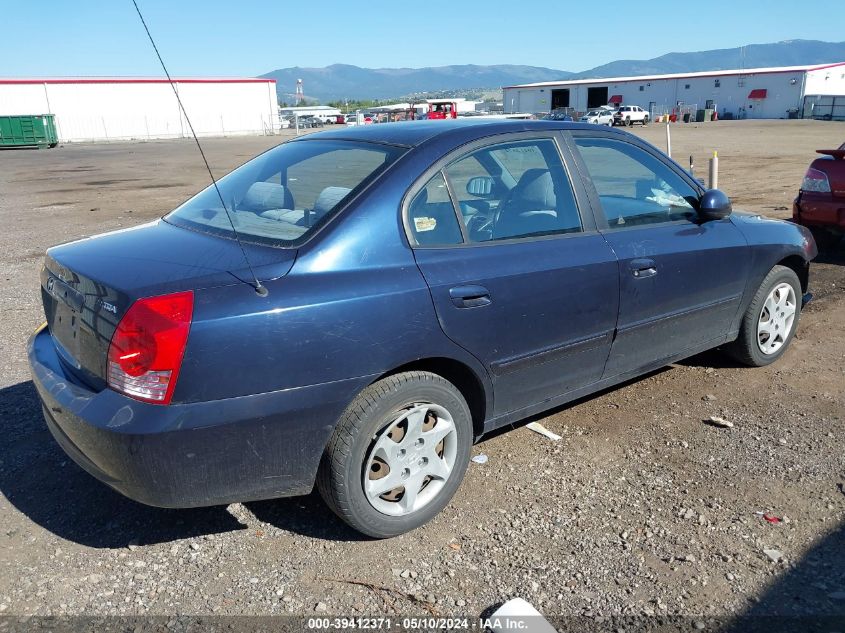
(446, 334)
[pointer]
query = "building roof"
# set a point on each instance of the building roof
(132, 80)
(707, 73)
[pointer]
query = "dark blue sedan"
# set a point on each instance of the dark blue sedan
(354, 308)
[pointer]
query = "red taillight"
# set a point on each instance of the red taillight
(147, 347)
(815, 181)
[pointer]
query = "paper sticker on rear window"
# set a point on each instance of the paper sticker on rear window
(424, 224)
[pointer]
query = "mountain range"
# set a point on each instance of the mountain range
(343, 81)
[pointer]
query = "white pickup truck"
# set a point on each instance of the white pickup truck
(628, 115)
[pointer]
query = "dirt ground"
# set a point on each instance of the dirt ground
(640, 508)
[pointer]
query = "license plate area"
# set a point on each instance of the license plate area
(64, 322)
(65, 331)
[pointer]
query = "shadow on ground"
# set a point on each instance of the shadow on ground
(305, 515)
(836, 257)
(713, 358)
(809, 596)
(43, 483)
(38, 479)
(833, 255)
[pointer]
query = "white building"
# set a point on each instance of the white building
(758, 93)
(103, 109)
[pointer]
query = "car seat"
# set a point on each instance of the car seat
(530, 207)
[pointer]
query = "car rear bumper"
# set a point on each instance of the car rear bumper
(819, 210)
(196, 454)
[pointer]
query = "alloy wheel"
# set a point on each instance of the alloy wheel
(776, 318)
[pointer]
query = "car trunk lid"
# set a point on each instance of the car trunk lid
(838, 154)
(88, 285)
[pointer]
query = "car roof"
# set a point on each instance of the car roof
(414, 133)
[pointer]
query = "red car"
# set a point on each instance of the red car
(820, 205)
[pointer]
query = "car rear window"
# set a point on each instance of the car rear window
(282, 196)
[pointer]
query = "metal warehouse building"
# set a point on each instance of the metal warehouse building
(754, 93)
(103, 109)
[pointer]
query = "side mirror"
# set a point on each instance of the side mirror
(714, 205)
(480, 186)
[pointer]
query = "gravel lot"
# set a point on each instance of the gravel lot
(640, 509)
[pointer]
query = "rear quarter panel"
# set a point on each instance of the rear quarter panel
(353, 305)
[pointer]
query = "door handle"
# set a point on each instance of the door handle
(470, 296)
(642, 268)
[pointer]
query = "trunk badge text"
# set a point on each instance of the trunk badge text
(108, 307)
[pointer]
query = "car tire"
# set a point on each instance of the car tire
(628, 122)
(763, 326)
(645, 120)
(366, 445)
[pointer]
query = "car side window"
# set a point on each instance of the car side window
(512, 190)
(432, 217)
(634, 186)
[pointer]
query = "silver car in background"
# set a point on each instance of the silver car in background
(598, 117)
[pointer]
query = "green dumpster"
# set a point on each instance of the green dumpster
(32, 130)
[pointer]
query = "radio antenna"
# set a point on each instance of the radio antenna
(260, 289)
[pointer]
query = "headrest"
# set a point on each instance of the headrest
(536, 187)
(263, 196)
(328, 199)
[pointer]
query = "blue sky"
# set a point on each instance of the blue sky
(250, 37)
